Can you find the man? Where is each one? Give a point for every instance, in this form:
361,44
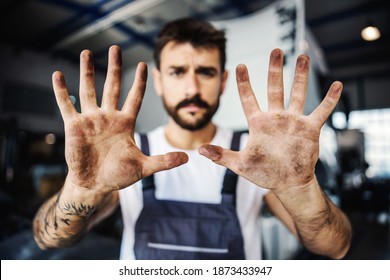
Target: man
199,209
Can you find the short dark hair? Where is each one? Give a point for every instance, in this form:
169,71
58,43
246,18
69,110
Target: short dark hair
197,32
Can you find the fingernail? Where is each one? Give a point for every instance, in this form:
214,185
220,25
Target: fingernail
144,72
303,62
337,85
241,72
276,53
62,79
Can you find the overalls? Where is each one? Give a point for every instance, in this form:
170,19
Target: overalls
169,229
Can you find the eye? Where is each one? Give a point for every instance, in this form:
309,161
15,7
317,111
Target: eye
176,72
208,72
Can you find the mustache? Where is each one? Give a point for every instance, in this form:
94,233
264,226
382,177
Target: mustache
196,100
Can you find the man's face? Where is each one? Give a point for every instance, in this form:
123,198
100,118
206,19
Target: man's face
190,83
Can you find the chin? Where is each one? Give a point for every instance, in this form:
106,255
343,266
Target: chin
193,126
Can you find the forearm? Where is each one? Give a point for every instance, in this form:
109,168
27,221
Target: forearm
64,219
322,227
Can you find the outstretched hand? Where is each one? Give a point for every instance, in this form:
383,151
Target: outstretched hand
100,150
283,144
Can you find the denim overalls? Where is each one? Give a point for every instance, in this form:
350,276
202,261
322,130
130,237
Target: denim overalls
169,229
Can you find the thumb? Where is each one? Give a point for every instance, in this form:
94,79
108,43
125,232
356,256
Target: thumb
219,155
158,163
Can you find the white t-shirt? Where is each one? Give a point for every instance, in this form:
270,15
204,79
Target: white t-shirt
199,180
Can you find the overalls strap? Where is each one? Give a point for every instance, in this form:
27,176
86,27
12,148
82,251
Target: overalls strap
147,182
231,178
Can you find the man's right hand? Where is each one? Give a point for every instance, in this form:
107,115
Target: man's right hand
100,151
99,148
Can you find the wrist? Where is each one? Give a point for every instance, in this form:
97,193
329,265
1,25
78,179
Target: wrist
305,200
296,189
90,195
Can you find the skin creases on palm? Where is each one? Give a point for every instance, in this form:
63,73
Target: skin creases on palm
101,153
281,148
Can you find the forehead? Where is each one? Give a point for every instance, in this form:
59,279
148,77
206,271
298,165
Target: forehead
184,54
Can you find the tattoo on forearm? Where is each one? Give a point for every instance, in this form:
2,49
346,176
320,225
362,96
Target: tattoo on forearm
66,221
66,228
70,208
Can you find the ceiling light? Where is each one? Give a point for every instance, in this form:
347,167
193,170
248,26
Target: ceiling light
370,33
50,139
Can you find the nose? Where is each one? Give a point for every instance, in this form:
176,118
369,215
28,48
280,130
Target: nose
192,84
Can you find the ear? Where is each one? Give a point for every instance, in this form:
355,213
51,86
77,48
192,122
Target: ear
157,81
224,81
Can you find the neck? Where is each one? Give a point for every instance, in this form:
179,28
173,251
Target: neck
185,139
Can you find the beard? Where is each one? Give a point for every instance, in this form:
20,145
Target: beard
196,124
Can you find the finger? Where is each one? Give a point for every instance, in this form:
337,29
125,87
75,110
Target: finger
164,162
112,86
217,154
275,81
87,82
134,98
64,102
247,97
298,92
323,111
